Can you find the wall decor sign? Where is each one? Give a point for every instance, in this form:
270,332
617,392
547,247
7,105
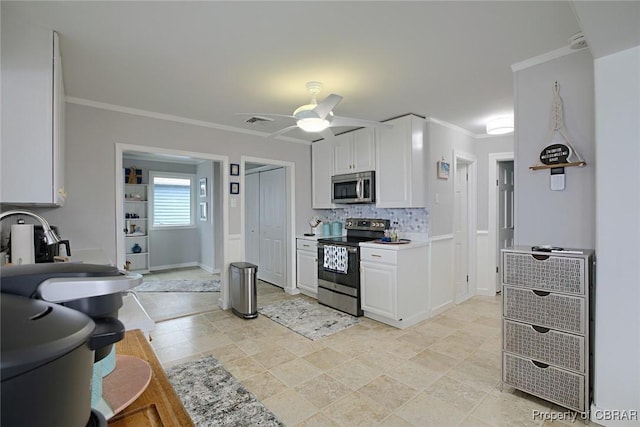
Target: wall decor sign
203,187
443,169
555,154
234,169
203,211
234,188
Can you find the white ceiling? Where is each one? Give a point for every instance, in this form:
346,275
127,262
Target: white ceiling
208,60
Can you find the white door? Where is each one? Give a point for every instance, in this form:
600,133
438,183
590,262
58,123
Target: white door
505,212
252,219
461,233
272,264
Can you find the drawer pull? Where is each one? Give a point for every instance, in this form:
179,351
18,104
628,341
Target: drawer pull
541,293
540,257
376,256
540,364
540,329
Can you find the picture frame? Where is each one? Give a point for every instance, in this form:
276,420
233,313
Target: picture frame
203,187
234,188
443,169
203,211
234,169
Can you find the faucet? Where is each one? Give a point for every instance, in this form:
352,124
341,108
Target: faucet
50,236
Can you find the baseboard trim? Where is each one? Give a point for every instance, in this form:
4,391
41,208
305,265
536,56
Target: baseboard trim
441,308
173,266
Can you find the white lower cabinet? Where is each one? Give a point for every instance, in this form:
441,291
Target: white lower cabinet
307,267
394,284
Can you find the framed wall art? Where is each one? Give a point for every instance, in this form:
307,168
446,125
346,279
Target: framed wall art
443,169
234,188
203,187
203,211
234,169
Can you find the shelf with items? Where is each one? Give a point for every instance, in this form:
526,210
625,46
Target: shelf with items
136,227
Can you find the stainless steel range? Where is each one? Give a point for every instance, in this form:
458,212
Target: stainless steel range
339,264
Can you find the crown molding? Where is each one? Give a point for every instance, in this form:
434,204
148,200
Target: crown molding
172,118
545,57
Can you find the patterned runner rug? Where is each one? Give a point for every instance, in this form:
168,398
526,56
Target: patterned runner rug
179,286
312,321
213,397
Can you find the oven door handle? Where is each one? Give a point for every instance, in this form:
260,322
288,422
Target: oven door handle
349,248
359,189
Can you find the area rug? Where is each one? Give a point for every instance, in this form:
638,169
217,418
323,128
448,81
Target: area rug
179,286
312,321
213,397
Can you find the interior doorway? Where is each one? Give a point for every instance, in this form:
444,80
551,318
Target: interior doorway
464,225
501,214
210,209
268,219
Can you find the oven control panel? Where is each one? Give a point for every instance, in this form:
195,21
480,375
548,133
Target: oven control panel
366,224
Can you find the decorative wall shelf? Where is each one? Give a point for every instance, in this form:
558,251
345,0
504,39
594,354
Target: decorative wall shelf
559,165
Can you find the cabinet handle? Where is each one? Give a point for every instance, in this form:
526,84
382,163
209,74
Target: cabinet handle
540,329
540,364
376,256
541,293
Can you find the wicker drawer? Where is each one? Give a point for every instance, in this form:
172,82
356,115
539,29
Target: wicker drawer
545,345
549,310
550,273
557,385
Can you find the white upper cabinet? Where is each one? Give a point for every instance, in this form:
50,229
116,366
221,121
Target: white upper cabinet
32,152
354,152
400,164
321,171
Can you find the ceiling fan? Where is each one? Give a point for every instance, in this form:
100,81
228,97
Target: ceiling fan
318,117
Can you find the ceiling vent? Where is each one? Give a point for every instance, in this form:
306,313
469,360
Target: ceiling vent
256,120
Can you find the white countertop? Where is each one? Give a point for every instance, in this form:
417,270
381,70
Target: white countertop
393,246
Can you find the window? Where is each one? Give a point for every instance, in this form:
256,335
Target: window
172,199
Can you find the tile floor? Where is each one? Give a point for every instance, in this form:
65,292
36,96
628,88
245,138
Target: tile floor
442,372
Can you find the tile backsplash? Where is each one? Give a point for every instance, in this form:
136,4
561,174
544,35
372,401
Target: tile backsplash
415,220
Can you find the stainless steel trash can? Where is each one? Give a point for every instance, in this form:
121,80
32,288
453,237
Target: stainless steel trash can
244,295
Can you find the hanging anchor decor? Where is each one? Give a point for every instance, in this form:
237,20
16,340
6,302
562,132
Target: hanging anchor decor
557,156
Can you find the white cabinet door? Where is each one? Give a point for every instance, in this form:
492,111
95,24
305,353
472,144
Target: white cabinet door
401,164
364,153
354,152
379,289
32,115
321,169
307,271
272,227
342,154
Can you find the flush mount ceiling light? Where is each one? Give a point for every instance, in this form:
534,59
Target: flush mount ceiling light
500,125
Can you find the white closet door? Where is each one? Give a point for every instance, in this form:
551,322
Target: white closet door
252,219
272,227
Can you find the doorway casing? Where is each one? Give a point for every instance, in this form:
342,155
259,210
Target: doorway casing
121,148
471,204
290,173
492,259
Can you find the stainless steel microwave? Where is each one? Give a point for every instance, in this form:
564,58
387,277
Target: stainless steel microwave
354,188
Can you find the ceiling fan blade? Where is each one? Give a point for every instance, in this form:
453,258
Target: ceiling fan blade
326,105
265,114
281,131
347,121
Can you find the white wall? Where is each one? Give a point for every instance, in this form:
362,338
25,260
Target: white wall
617,337
562,218
88,217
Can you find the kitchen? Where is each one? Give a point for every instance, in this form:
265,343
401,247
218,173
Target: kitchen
90,176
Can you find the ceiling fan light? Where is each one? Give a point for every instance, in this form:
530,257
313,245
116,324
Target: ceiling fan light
313,124
500,125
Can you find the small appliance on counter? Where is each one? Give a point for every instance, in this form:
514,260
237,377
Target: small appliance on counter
46,365
91,290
